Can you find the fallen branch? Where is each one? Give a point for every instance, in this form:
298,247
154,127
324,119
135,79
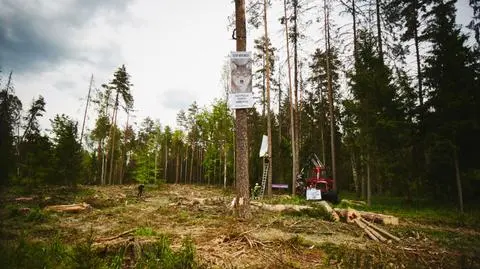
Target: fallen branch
116,236
380,230
73,208
24,199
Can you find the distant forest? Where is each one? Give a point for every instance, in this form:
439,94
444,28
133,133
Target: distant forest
405,100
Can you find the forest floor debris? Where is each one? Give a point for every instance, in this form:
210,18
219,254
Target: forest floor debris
270,239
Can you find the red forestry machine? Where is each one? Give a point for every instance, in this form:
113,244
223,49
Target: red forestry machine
317,180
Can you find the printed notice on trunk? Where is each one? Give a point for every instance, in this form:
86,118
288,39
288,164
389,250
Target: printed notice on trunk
241,95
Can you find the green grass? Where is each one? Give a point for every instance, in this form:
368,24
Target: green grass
285,199
25,252
145,231
161,255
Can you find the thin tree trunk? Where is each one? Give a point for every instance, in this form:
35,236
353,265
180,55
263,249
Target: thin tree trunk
155,165
322,128
191,165
166,160
417,54
112,153
99,160
181,169
369,190
269,120
241,126
86,109
354,14
295,79
104,170
224,166
265,47
355,174
362,185
124,150
292,119
330,97
279,121
379,31
458,179
186,164
177,166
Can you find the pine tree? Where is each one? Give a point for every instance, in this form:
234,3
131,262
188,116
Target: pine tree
450,81
10,108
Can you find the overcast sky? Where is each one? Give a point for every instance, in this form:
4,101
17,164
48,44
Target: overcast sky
174,51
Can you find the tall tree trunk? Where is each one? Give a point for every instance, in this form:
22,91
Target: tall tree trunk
124,150
295,79
322,128
458,179
177,166
265,47
224,166
417,54
330,97
379,31
355,173
369,190
86,109
104,167
112,152
155,165
181,168
362,180
166,160
354,15
269,120
186,164
190,178
241,126
279,120
292,119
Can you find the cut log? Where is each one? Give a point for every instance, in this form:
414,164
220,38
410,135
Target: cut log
372,217
330,210
348,214
367,231
379,218
380,230
280,208
368,228
298,208
73,208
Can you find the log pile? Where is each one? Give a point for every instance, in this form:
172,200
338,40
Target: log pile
351,214
365,220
